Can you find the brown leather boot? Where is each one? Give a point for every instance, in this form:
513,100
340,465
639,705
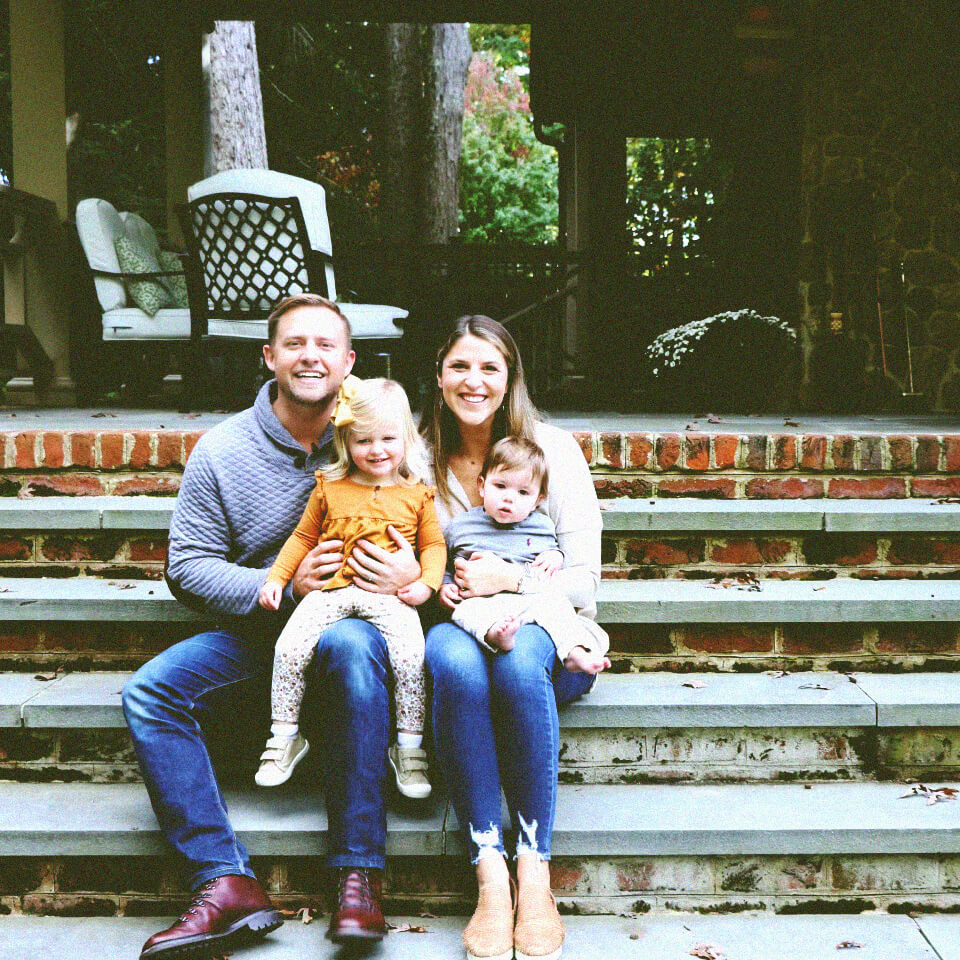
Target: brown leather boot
231,909
358,915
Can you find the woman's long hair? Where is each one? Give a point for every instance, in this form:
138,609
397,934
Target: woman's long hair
375,402
515,418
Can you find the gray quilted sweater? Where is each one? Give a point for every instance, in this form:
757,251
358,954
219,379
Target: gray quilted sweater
244,488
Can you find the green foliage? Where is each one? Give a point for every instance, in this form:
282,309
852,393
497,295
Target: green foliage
508,179
508,43
674,188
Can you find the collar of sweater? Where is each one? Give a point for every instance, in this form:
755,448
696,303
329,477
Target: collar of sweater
275,430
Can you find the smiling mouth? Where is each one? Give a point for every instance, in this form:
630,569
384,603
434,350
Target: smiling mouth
309,375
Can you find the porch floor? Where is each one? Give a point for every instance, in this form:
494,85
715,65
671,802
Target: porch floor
105,418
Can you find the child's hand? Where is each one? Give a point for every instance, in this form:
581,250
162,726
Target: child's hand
449,595
413,594
582,660
270,595
548,562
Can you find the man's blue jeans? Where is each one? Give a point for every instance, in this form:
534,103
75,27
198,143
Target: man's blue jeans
495,722
170,699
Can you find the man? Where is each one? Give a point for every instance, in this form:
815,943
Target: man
244,488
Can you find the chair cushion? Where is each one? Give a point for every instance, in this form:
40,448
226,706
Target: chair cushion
133,257
373,321
131,323
98,223
176,285
135,227
270,183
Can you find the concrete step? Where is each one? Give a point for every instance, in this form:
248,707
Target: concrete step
633,728
741,937
622,514
745,819
844,848
619,601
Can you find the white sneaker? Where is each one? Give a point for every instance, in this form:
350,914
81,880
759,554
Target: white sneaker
279,758
410,768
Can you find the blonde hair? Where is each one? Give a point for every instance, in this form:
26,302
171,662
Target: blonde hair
518,453
376,402
515,418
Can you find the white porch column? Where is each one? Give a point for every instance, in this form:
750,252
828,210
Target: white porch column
35,282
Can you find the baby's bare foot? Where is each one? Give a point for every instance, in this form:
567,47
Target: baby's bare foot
501,634
581,660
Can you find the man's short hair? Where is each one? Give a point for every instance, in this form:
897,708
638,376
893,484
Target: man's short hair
304,300
517,453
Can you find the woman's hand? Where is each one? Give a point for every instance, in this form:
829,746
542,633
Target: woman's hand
321,563
484,575
449,596
384,571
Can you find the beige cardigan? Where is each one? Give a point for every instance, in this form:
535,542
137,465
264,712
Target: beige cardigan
571,504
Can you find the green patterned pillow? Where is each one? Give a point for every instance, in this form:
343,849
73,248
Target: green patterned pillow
176,285
149,295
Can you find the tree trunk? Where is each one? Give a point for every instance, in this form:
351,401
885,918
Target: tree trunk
402,132
235,133
446,58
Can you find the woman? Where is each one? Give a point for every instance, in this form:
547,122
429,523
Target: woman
495,715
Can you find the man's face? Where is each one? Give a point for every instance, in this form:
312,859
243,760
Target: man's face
309,356
509,495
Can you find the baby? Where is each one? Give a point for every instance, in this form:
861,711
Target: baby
513,482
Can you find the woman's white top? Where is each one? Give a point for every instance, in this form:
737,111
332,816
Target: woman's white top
571,504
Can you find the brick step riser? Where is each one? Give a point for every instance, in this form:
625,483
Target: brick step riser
834,883
65,553
635,484
844,647
587,755
38,463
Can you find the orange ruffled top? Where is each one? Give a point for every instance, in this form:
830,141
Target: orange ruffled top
350,511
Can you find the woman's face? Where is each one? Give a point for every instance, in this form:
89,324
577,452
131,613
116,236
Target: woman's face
473,379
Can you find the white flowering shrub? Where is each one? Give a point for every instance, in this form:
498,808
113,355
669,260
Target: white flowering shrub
735,360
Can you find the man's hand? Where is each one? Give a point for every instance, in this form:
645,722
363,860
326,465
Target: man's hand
384,571
413,594
321,563
484,575
548,563
270,594
449,595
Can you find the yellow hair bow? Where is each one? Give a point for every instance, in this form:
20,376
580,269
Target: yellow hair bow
342,413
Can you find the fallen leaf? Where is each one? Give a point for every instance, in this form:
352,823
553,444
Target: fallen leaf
192,416
628,915
427,916
933,794
849,945
696,684
777,673
707,951
406,928
814,686
49,676
947,500
119,585
713,418
102,413
818,589
787,422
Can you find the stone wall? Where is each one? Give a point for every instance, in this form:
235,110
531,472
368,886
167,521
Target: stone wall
881,186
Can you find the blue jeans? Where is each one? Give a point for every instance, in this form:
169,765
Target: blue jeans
495,721
170,699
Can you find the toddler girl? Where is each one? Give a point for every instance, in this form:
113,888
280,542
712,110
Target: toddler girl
374,483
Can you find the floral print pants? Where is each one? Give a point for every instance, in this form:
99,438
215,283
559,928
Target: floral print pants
397,622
